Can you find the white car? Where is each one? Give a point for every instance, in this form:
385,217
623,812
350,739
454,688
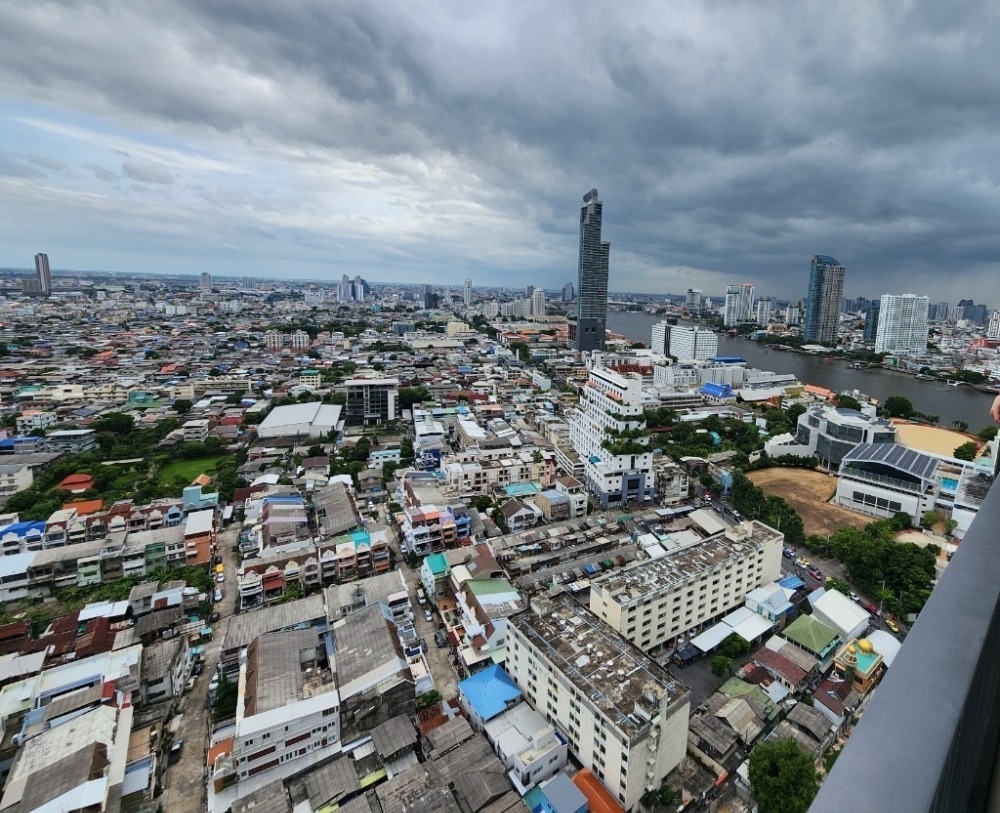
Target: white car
428,616
220,577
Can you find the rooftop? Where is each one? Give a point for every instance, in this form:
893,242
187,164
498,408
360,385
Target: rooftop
644,577
616,676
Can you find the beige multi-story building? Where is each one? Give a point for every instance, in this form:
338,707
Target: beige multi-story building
653,603
623,715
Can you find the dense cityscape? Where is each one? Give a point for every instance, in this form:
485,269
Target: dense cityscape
387,547
499,408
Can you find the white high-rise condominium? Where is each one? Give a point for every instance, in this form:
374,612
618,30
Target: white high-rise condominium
467,296
993,331
765,309
538,302
660,338
693,343
693,300
902,324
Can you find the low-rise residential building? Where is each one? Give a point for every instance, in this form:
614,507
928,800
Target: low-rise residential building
15,477
671,480
166,666
71,441
623,716
32,419
429,522
528,745
371,401
287,713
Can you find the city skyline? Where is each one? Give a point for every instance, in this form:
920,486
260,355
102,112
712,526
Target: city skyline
451,141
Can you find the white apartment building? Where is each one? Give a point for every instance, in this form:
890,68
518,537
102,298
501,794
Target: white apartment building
656,604
693,343
739,304
528,745
299,340
902,324
608,432
196,429
15,477
993,331
659,338
273,340
288,709
28,422
623,716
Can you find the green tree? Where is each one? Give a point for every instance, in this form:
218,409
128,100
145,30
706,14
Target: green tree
988,433
967,451
930,519
182,406
117,423
848,402
782,777
721,665
896,406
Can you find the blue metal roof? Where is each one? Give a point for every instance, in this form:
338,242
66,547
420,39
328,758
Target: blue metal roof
792,582
728,359
489,692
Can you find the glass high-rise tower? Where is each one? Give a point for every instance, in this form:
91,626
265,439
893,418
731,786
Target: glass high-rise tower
592,286
43,274
823,302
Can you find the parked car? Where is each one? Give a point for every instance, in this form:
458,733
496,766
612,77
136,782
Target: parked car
199,667
217,596
190,683
873,609
428,616
220,577
788,553
855,598
815,572
213,618
892,625
423,646
175,750
440,638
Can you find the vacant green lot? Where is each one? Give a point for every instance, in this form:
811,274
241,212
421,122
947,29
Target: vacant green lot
188,469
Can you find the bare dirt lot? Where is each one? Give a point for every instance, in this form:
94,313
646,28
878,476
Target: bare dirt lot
807,492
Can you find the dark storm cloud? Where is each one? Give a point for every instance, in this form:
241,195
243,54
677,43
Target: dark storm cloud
729,138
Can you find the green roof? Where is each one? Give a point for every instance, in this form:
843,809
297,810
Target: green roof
437,563
812,635
490,587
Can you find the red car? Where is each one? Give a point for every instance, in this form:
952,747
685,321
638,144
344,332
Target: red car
872,609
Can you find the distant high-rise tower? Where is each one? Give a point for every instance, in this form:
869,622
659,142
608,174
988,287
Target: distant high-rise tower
467,296
44,274
529,291
205,282
826,289
871,320
902,324
246,283
592,284
568,292
693,300
739,304
538,302
765,308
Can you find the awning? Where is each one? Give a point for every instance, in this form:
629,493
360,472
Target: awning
752,628
711,638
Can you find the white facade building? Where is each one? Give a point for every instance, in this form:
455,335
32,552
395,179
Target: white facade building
882,479
654,604
608,432
659,338
902,324
623,716
993,331
693,343
739,305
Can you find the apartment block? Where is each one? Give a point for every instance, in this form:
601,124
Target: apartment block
623,716
655,604
608,432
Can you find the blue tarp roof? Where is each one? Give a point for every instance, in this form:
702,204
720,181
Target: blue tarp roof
489,692
792,582
716,390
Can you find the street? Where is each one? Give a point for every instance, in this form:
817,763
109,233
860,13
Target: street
185,781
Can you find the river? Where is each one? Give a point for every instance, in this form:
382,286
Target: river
930,397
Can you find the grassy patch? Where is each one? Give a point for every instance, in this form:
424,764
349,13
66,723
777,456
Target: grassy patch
187,469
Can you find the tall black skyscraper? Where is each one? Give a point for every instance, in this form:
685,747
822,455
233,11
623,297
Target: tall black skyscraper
44,274
592,287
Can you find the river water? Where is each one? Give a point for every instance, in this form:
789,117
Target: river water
930,397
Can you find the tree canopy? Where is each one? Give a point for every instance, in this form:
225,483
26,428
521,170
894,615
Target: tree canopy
896,406
782,777
967,451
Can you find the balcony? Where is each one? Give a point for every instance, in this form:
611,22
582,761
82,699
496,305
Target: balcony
928,740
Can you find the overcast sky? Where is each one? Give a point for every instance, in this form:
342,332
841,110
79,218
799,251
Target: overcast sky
428,142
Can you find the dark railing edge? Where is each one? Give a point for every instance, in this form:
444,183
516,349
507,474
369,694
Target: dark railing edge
928,740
